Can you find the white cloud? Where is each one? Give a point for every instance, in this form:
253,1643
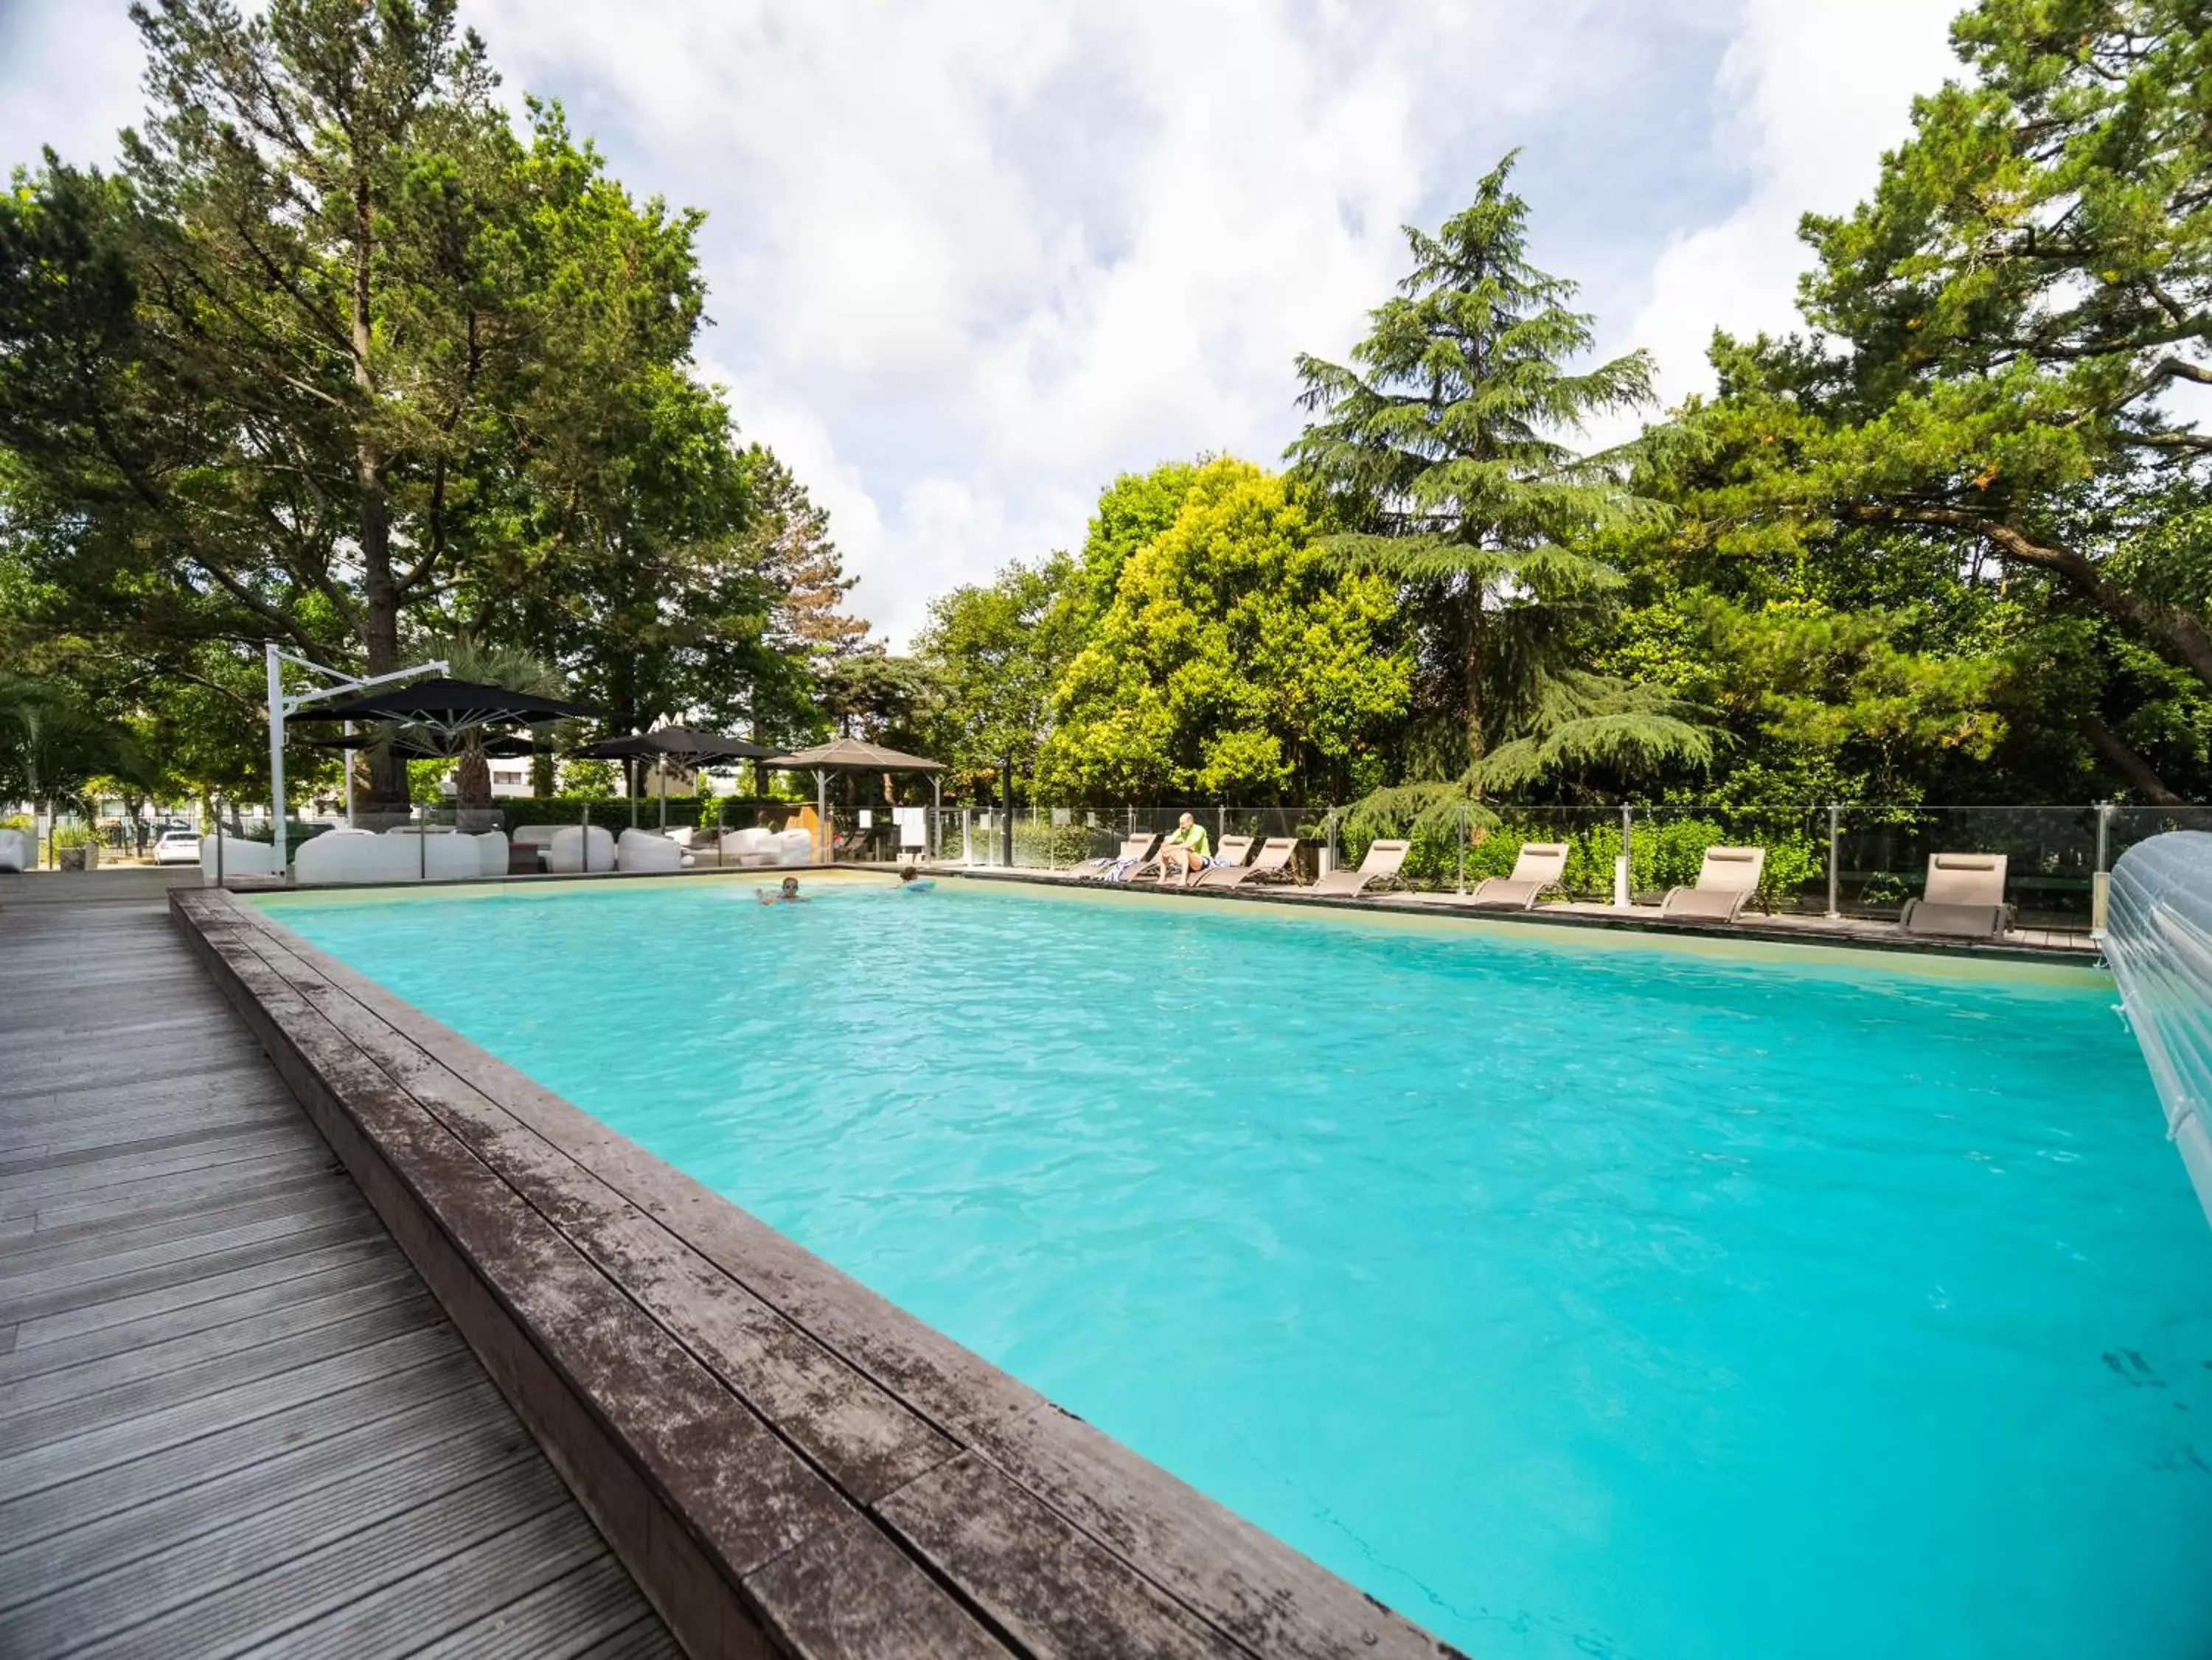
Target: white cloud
1002,254
970,260
1814,94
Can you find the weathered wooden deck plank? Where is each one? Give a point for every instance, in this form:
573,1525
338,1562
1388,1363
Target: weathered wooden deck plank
119,1353
120,1312
407,1397
230,1413
574,1615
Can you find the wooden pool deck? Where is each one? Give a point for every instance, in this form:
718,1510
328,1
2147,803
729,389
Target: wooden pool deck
232,1419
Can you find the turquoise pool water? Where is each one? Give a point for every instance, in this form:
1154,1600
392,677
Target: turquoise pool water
1575,1294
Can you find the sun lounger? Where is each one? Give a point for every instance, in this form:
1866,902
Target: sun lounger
1272,864
1536,871
1728,877
1136,852
1234,849
1232,854
1964,899
1380,865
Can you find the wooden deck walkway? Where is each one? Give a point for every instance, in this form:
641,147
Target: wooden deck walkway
231,1419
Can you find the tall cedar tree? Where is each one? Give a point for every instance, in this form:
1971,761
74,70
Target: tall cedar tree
1441,444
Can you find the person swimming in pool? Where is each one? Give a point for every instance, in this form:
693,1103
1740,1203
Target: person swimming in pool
911,881
787,894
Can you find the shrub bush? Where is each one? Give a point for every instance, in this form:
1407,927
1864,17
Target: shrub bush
1664,853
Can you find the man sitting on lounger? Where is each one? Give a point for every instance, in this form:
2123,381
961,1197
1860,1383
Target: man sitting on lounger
1183,851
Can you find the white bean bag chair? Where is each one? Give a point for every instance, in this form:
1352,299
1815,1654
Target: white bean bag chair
16,849
643,850
343,856
236,857
570,852
437,855
491,853
754,846
794,847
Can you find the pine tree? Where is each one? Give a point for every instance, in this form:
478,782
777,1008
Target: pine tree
801,565
1443,444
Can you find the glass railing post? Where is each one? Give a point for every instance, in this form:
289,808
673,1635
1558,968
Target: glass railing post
2100,882
1835,833
1624,883
1460,886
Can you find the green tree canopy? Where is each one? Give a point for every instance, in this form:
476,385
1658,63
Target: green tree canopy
998,651
1999,336
1235,659
338,353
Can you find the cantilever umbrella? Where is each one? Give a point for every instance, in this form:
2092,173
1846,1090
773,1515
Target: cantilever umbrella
686,746
850,755
443,713
410,746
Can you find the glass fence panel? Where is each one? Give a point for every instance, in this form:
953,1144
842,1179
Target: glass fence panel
1849,861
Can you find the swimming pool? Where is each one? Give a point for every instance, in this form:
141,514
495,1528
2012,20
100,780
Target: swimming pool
1574,1293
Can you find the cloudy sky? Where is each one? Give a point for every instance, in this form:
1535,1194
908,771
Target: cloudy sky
969,261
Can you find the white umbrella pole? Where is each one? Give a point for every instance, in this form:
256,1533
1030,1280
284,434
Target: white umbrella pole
828,852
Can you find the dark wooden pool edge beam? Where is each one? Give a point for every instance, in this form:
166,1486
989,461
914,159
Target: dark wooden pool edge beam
787,1463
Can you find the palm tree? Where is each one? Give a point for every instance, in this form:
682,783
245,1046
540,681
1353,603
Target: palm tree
490,663
1441,446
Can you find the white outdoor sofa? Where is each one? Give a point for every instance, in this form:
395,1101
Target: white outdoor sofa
402,855
17,850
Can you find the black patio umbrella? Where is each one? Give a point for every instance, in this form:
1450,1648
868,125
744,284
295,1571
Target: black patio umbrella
685,746
449,709
850,755
410,745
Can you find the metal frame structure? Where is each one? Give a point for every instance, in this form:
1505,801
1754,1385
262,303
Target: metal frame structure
283,708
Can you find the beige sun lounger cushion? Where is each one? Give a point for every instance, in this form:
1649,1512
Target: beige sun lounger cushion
1380,865
1728,877
1536,871
1272,864
1964,898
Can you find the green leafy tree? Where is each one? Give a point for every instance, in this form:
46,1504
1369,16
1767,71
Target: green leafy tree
998,651
1135,509
1235,659
1999,335
337,348
1443,441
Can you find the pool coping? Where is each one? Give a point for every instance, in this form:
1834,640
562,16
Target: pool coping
786,1463
1400,904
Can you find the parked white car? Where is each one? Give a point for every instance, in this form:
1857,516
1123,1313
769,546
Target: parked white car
177,847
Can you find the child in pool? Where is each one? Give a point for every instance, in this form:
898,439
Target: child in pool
787,894
912,882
